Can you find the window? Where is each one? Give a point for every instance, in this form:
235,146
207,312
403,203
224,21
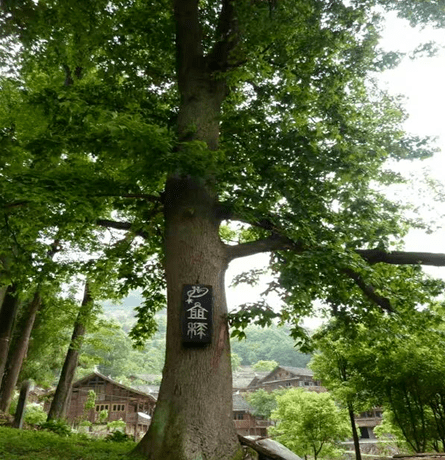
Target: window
238,416
118,407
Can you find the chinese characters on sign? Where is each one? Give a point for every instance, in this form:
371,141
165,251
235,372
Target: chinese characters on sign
196,314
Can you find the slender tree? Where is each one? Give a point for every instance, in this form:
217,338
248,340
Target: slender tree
19,348
17,354
59,404
7,317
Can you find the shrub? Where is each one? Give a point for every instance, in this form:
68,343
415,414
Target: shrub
59,427
118,436
103,415
117,425
34,414
85,423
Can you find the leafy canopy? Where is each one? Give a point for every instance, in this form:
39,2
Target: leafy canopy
88,123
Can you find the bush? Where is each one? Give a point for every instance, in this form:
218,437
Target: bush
118,436
103,415
117,425
35,415
59,427
85,423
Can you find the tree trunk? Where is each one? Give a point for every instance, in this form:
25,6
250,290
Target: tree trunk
193,417
60,401
17,354
358,454
7,317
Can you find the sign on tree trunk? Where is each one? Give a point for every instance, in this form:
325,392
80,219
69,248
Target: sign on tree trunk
196,314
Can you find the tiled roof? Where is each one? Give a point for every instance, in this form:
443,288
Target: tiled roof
240,403
299,370
243,377
108,379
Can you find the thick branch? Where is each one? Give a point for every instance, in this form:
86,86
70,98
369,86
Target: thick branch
138,196
188,39
121,226
273,243
374,256
369,291
226,38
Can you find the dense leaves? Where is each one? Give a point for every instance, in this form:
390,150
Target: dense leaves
310,423
391,363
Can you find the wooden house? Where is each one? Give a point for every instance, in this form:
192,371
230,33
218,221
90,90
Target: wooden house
246,423
283,377
121,402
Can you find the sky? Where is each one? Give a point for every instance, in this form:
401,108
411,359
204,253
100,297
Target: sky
420,80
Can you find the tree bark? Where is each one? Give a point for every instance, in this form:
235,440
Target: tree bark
193,417
7,317
59,404
18,354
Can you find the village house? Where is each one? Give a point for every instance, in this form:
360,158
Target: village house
121,402
135,406
246,423
283,377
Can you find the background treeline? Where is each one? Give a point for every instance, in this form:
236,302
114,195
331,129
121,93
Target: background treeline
109,349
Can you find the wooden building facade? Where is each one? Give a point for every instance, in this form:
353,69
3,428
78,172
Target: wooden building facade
246,423
283,377
124,403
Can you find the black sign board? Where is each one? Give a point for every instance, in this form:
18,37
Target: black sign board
197,304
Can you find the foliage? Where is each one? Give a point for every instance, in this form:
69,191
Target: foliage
103,415
310,423
39,445
263,402
103,142
286,132
110,349
59,427
389,432
118,436
34,414
91,400
273,343
235,361
265,365
116,425
85,423
395,362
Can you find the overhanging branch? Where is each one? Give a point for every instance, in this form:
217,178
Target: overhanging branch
369,291
374,256
272,243
121,226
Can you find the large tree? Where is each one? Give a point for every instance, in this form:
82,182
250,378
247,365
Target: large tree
165,119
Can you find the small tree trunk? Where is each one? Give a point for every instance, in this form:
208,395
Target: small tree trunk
18,354
21,406
60,401
355,437
7,317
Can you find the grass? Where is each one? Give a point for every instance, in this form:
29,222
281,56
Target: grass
40,445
